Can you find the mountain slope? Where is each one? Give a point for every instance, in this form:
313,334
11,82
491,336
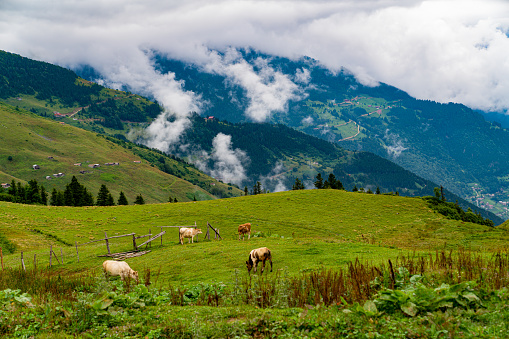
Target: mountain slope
449,144
28,140
287,154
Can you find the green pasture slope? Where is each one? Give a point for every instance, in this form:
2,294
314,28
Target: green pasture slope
305,230
27,140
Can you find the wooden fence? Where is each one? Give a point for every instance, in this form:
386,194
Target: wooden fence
136,251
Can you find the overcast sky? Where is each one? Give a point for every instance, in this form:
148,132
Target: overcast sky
443,50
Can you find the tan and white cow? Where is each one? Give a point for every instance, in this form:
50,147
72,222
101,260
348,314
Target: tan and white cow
185,232
119,268
255,256
243,229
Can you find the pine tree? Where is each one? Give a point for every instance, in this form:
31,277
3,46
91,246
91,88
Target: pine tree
12,190
53,199
44,196
194,197
319,181
32,192
436,190
377,190
57,198
88,198
76,194
298,185
20,193
355,189
257,188
139,200
246,191
170,199
68,196
102,196
122,200
442,193
109,200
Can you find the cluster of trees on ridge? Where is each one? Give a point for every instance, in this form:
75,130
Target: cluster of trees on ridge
75,194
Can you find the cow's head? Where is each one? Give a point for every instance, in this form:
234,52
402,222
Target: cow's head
249,264
198,231
134,275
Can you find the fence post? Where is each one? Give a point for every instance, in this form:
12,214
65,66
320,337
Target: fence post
161,236
77,254
23,262
134,242
149,236
179,235
207,234
62,255
2,257
50,251
35,261
107,242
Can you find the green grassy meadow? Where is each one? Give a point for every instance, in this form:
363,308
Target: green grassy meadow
322,242
305,230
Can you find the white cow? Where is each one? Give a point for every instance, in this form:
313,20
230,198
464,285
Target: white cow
119,268
185,232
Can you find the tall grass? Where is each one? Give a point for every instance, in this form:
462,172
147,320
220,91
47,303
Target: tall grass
43,284
355,283
361,281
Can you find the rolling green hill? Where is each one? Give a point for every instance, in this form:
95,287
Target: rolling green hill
304,229
28,140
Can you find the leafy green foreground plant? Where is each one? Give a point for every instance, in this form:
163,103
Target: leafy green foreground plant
417,298
360,301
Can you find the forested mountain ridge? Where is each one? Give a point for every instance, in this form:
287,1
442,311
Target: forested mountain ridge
449,144
298,155
58,93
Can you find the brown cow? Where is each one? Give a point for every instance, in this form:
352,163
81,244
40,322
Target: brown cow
260,254
185,232
243,229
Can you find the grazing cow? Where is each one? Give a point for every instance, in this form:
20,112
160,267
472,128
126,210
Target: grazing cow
119,268
185,232
260,254
243,229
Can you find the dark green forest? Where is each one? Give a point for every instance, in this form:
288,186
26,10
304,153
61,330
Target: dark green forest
19,75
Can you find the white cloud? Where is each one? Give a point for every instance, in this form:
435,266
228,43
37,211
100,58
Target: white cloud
394,144
268,90
228,164
308,120
444,50
275,180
